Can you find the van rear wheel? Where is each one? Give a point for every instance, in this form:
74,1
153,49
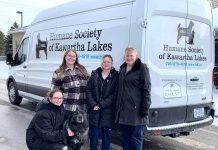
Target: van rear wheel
14,98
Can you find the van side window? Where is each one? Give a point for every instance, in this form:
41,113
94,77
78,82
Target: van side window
22,52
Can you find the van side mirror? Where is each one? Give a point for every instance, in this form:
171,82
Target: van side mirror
9,59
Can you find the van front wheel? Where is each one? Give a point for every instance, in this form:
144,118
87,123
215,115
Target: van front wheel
14,98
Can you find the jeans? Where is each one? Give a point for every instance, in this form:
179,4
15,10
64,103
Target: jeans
132,137
105,135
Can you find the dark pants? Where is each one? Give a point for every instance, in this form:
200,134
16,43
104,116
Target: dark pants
132,137
105,135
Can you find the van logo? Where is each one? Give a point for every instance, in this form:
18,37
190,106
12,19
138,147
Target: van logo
172,90
41,46
188,32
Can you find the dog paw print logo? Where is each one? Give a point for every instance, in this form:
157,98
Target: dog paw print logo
41,46
187,32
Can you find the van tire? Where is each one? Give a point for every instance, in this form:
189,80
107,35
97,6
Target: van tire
14,98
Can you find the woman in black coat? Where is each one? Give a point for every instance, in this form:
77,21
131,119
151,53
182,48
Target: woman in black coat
101,97
133,100
45,131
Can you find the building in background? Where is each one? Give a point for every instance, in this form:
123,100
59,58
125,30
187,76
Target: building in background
215,3
17,35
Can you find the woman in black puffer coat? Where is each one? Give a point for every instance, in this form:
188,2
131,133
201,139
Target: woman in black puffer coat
101,100
45,131
133,100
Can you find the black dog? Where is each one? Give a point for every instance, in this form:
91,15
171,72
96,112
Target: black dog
77,123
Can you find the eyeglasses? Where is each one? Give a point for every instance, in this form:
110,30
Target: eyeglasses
57,98
70,56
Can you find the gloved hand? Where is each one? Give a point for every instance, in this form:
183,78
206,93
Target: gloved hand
144,112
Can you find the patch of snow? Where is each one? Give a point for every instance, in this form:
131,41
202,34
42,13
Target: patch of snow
215,99
215,121
4,68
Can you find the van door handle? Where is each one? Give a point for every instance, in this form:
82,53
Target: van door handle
24,67
194,79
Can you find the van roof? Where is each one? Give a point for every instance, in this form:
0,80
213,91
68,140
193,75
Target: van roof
76,7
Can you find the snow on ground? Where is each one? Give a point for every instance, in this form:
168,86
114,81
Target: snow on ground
3,70
215,98
215,122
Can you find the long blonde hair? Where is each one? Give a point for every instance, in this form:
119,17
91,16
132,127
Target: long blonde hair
63,65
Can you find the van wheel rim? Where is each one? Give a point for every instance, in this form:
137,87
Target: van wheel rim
12,93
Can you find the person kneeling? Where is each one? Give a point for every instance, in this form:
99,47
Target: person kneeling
45,131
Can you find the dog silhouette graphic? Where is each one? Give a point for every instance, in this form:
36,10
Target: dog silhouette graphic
187,32
41,45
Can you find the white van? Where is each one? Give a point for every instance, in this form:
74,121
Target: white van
173,37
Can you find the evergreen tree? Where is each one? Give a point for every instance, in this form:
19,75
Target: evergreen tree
1,43
8,39
8,44
15,25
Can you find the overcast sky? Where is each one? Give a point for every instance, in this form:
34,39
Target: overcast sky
30,9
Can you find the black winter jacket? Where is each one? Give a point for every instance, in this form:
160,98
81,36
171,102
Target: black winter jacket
46,126
102,93
133,99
